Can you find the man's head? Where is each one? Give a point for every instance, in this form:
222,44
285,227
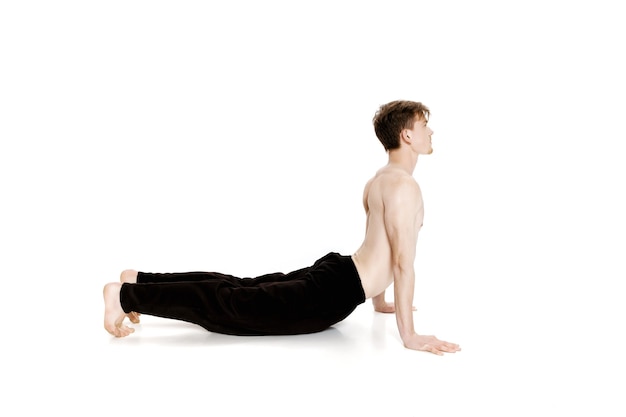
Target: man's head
403,121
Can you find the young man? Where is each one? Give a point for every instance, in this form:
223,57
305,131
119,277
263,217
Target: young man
313,298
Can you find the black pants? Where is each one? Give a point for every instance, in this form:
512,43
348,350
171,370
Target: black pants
304,301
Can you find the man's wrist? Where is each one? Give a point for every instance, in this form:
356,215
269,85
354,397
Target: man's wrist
407,335
378,303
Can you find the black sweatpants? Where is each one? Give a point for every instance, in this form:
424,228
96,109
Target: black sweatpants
304,301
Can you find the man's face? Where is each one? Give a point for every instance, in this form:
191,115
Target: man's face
421,140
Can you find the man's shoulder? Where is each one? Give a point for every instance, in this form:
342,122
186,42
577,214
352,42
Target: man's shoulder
394,179
394,184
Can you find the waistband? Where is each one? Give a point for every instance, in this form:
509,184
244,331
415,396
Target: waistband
339,271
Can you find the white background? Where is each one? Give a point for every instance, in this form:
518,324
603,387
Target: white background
237,137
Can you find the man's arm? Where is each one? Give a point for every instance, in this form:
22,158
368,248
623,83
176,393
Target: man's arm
403,209
404,213
382,306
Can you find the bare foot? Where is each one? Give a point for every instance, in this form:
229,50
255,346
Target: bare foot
113,313
130,276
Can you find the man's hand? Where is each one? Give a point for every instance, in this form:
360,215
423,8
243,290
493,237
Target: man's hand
430,344
386,307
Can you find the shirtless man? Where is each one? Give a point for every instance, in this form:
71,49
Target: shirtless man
319,296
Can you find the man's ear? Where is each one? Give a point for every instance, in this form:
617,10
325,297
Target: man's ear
405,136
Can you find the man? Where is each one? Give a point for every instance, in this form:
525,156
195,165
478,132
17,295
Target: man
313,298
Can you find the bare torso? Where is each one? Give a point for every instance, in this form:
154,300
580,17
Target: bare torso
373,259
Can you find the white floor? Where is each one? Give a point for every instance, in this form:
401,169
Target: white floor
541,360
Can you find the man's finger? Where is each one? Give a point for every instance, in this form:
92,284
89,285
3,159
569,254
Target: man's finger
437,352
454,346
432,349
446,348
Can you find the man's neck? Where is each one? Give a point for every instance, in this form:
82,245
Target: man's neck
403,160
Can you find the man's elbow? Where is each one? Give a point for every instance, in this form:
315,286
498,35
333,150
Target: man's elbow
402,266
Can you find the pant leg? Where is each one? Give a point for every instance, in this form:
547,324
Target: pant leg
149,277
202,302
304,301
218,302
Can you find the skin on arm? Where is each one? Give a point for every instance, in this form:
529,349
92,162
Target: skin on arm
378,301
403,211
403,216
383,306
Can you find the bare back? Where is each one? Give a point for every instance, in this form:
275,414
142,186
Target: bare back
374,259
